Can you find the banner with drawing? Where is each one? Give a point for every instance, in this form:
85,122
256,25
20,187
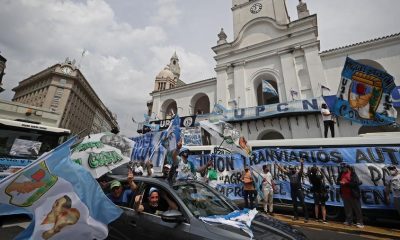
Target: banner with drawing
369,163
364,95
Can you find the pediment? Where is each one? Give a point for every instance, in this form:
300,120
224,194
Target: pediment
257,31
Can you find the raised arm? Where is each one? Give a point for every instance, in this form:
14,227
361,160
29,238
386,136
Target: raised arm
131,183
281,168
301,165
176,152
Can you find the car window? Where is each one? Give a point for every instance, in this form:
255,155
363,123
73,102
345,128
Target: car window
201,200
166,201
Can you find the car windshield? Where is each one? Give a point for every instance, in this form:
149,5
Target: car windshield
201,200
26,143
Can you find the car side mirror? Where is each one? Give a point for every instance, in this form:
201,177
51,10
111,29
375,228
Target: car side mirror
172,216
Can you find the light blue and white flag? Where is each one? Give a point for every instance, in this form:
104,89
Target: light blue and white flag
364,95
173,134
63,199
154,146
268,88
240,219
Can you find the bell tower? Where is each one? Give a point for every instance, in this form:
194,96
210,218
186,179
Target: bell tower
245,11
174,66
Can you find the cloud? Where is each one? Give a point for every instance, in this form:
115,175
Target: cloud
167,12
122,60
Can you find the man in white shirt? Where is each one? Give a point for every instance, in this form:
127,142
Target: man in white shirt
328,121
268,190
394,187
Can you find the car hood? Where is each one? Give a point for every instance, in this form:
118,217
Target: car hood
262,226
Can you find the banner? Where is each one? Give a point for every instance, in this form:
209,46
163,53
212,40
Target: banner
364,95
63,199
369,163
192,137
297,106
154,146
9,166
396,96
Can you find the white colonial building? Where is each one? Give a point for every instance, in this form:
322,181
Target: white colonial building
268,46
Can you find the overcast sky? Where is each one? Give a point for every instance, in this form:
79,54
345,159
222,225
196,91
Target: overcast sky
130,41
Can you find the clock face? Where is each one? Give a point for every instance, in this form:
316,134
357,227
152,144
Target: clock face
66,70
256,8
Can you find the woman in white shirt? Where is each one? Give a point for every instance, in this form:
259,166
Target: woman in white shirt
328,121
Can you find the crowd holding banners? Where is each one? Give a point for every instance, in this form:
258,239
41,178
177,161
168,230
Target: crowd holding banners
372,173
57,193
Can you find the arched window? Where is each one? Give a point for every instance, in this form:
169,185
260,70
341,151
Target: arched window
200,104
266,98
269,135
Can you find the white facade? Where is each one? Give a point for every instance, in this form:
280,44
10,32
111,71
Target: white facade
267,46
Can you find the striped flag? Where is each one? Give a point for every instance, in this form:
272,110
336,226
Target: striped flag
268,88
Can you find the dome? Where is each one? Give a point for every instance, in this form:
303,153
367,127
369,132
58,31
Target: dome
165,73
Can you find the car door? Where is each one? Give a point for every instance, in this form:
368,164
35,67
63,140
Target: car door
156,228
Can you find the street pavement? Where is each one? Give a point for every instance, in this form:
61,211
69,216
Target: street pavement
313,230
337,230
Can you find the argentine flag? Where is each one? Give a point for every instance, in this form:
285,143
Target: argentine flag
268,88
62,198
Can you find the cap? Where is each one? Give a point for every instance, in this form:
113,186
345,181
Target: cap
343,164
392,167
167,166
114,184
152,189
182,150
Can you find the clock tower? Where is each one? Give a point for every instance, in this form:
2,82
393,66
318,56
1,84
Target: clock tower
244,11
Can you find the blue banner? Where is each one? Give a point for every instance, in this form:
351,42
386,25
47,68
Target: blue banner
364,95
369,163
396,96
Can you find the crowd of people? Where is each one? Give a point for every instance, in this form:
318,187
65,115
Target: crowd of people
180,168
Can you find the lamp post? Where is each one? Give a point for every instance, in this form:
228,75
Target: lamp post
2,67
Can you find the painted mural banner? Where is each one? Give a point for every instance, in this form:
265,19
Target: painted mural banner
364,95
370,164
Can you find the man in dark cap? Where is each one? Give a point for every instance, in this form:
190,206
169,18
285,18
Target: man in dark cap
296,189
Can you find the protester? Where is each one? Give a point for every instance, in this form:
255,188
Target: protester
118,194
148,169
249,191
138,169
165,170
394,187
319,192
328,120
268,190
182,169
154,205
211,175
296,190
350,193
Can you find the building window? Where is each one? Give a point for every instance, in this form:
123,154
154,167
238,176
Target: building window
266,98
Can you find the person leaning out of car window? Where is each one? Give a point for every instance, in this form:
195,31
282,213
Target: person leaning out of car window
118,194
154,205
